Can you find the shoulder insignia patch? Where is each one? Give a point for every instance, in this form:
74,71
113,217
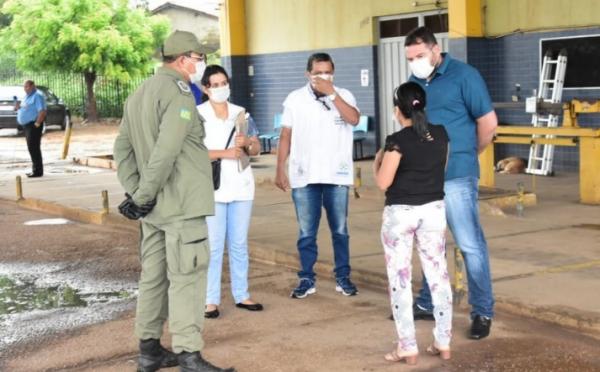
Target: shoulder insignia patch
185,114
183,86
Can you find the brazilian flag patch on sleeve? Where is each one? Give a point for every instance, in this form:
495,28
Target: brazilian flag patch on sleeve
185,114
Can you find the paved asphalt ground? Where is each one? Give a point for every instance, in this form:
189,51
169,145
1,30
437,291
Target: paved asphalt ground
325,332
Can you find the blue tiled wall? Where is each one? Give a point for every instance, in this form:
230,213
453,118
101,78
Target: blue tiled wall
503,62
276,75
512,59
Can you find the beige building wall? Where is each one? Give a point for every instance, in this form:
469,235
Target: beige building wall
274,26
506,16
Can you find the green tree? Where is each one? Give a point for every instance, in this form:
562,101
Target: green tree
92,37
211,43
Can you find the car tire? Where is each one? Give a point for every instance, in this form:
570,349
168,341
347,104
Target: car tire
66,122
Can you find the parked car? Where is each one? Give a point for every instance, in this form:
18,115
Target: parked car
57,113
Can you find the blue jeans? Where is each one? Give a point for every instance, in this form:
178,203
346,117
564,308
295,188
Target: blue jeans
230,223
308,201
462,213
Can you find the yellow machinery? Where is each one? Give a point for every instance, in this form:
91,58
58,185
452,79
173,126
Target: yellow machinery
571,109
570,134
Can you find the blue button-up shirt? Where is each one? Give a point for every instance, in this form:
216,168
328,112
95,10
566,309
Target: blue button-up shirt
31,106
456,97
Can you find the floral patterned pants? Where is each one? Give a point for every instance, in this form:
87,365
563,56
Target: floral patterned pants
425,226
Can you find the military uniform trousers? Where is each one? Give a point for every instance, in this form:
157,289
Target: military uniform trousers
174,259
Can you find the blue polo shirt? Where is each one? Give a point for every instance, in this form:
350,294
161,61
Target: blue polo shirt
456,97
197,93
31,107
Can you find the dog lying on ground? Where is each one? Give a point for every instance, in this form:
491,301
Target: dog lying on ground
511,165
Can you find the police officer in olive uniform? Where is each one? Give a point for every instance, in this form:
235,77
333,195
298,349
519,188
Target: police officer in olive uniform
163,166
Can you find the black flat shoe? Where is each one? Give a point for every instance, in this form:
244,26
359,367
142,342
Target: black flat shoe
212,314
480,328
33,175
250,307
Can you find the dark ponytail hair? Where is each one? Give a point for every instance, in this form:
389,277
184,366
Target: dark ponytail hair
410,98
208,72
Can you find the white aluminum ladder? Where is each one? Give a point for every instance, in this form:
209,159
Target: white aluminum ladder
552,78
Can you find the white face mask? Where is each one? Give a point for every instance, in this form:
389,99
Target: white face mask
421,67
326,77
219,95
197,76
322,76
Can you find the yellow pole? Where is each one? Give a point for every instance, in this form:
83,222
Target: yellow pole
67,140
357,182
19,188
232,26
486,167
459,288
465,18
104,202
589,170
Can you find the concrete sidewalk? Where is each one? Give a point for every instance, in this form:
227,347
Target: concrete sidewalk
545,264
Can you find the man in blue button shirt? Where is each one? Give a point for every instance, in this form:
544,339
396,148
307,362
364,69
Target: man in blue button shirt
30,115
457,98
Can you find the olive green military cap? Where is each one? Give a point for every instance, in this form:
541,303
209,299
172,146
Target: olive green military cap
180,42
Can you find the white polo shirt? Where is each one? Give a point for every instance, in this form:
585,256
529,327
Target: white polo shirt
235,185
321,143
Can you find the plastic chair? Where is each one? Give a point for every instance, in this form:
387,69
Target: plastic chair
360,134
266,138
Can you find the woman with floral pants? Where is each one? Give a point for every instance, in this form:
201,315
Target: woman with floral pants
411,171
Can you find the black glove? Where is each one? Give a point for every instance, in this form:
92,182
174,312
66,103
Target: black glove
134,212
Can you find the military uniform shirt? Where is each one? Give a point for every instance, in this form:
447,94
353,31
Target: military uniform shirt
160,151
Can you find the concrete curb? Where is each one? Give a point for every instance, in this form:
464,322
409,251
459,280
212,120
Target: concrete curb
589,325
74,214
270,254
100,161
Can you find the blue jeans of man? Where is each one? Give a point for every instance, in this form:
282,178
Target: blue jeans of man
230,223
462,213
308,201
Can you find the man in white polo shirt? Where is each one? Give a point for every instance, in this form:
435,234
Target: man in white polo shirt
316,134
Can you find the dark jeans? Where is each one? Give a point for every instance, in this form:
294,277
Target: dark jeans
33,136
309,201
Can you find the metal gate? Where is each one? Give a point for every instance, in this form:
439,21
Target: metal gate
394,70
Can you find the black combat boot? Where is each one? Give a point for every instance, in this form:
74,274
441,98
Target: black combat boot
193,362
154,357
